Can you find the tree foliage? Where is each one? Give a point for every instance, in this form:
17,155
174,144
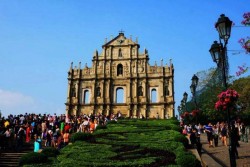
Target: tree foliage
208,95
242,86
209,88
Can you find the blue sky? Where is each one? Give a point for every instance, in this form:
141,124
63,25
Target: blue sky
40,38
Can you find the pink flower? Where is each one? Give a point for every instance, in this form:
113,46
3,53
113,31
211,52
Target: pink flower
246,20
242,70
226,99
241,40
246,15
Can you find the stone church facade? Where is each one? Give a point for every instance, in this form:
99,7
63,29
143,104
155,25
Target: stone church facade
121,80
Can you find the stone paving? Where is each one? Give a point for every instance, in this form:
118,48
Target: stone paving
220,154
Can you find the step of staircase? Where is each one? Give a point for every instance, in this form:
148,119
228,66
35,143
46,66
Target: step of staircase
10,157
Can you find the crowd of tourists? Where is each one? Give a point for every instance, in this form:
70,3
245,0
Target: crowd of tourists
217,132
46,130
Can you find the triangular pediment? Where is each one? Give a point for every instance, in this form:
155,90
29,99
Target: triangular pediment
119,41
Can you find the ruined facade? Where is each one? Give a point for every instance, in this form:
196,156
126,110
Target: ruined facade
121,79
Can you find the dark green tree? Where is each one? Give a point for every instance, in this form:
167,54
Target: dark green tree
208,89
242,86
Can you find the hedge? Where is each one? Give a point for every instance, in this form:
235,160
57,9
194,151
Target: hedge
129,142
32,158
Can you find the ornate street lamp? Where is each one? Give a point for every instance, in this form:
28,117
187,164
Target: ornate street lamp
179,109
180,112
182,108
193,90
183,105
185,95
193,87
223,26
184,100
195,80
219,55
215,52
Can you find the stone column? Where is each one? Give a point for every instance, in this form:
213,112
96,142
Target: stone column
128,113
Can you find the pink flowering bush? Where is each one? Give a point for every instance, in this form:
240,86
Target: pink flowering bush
245,44
195,112
185,114
246,20
226,99
242,70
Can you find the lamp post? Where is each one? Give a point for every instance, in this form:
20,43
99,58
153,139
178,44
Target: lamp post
179,111
184,102
185,95
182,107
218,52
193,87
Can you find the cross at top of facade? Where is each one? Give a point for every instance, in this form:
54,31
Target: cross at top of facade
121,31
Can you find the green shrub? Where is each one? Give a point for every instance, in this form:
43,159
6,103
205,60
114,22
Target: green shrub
115,137
174,121
33,158
50,151
168,127
186,159
83,152
112,122
101,127
183,139
82,137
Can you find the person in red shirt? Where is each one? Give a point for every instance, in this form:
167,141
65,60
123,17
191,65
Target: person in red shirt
66,138
28,133
67,127
92,126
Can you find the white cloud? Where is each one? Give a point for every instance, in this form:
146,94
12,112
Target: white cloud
15,103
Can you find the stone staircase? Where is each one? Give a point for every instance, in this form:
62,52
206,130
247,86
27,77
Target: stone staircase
10,157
